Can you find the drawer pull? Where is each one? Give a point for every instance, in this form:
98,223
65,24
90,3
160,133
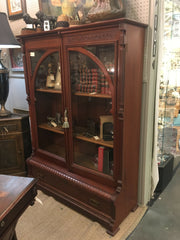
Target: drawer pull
94,202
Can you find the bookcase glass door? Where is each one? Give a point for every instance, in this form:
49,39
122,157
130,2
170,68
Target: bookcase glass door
92,76
48,95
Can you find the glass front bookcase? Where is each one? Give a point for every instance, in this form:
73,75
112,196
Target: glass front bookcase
92,77
46,69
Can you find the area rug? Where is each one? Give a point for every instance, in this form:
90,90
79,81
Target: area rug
49,219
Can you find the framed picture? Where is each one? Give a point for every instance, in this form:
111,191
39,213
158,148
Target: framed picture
54,7
50,7
16,8
16,60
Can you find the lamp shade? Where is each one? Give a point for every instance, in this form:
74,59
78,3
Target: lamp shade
7,39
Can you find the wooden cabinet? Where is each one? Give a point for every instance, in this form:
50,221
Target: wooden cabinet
84,91
15,144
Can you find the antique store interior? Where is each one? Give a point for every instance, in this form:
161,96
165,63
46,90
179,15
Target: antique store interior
94,101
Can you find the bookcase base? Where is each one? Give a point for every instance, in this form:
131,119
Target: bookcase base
95,203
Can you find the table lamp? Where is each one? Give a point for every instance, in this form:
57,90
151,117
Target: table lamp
7,40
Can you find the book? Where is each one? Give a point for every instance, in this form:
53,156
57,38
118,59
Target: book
89,81
100,158
107,160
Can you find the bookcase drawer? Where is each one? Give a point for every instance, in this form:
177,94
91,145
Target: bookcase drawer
9,127
79,192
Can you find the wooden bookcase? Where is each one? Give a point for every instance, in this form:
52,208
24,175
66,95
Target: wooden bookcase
101,67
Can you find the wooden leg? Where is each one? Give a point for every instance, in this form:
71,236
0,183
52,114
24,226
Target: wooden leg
14,236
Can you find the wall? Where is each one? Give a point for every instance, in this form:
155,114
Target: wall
17,92
139,10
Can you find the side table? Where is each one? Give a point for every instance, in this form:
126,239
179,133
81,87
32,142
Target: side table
16,194
15,144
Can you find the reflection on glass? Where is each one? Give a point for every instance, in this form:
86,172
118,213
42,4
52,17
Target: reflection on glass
34,57
47,72
58,77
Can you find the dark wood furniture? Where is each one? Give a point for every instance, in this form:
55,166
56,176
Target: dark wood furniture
16,194
86,130
165,169
15,144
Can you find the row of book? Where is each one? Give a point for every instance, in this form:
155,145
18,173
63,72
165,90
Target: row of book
105,160
92,80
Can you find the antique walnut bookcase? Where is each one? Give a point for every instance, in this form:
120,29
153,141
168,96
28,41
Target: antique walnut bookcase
84,92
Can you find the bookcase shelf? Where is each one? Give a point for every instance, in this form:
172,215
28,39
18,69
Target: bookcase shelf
96,95
85,161
92,140
46,126
48,90
54,149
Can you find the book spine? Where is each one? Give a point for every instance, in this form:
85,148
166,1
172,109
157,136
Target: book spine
100,158
106,161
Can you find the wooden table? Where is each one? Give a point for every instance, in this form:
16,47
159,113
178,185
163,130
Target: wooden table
16,194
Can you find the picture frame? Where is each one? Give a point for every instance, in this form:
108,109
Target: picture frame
16,8
16,59
54,7
50,7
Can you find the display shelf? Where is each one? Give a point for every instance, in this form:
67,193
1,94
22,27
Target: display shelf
54,149
96,95
48,90
85,160
46,126
92,140
89,161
